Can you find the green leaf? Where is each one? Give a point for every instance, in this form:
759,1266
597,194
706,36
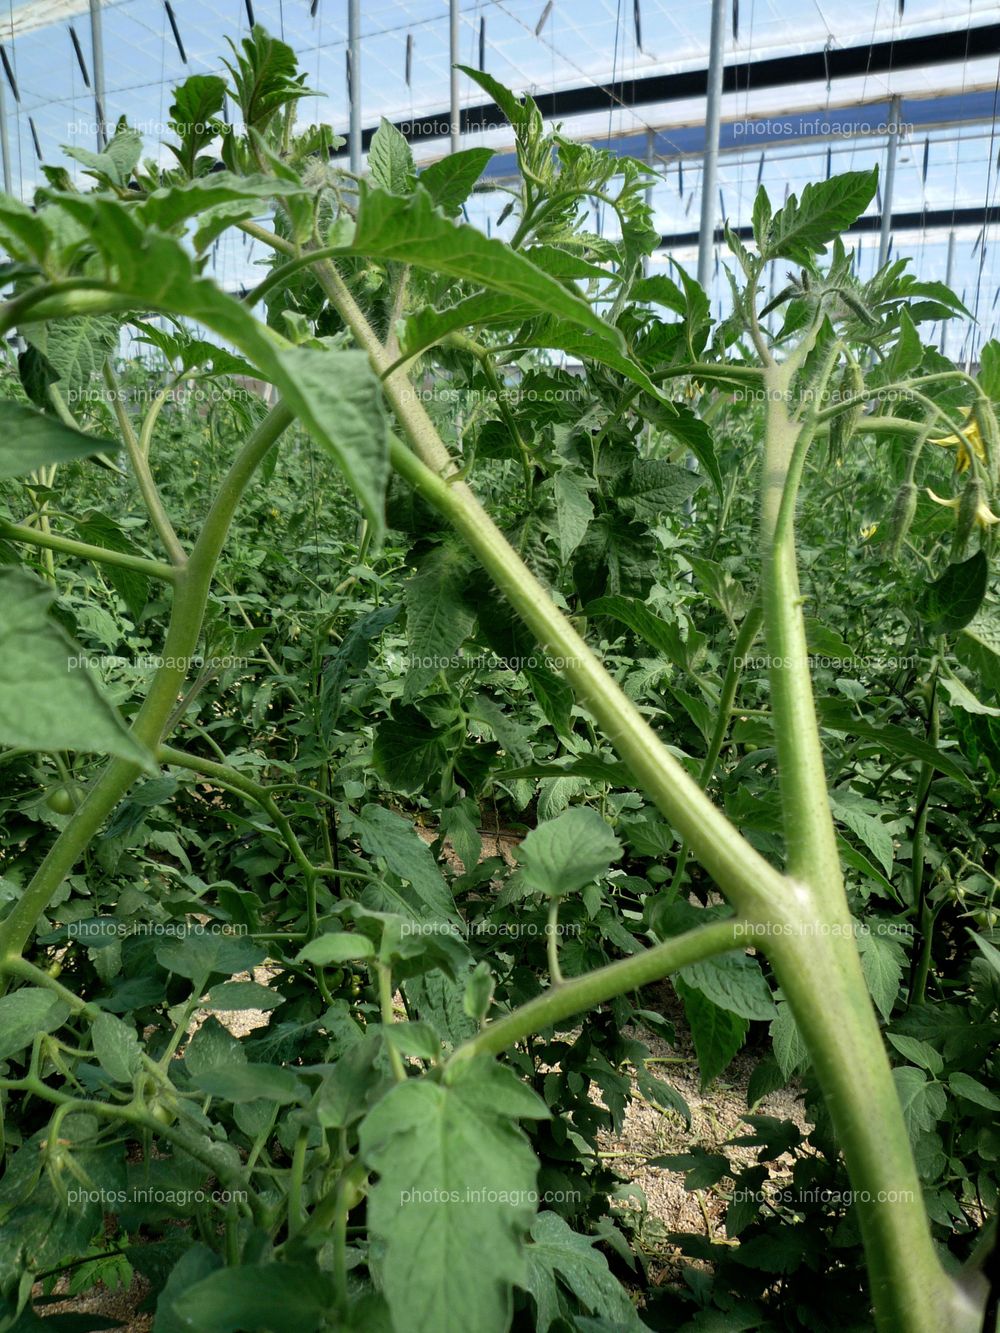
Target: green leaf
989,369
117,161
561,1260
197,954
964,1085
790,1049
882,964
734,981
339,946
29,440
116,1047
918,1052
424,327
960,696
589,766
952,601
197,103
438,617
701,1169
49,700
657,489
665,638
838,715
173,204
409,752
717,1033
132,586
805,227
454,1198
384,833
24,1014
450,180
562,856
923,1102
247,1083
339,400
390,160
978,647
989,951
242,995
478,994
574,511
265,76
77,349
853,811
290,1297
414,231
761,219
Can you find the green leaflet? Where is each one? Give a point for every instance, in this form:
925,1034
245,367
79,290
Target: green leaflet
438,617
24,1014
29,440
292,1297
116,1047
665,638
734,982
562,856
415,231
952,601
49,699
717,1033
454,1198
338,399
76,348
449,181
409,752
388,835
390,160
805,226
559,1258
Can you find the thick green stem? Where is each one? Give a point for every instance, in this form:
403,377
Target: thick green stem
604,983
820,974
144,477
192,587
814,953
810,839
156,569
753,885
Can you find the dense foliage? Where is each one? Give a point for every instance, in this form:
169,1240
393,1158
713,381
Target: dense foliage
317,705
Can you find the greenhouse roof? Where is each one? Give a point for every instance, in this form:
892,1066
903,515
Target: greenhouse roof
808,93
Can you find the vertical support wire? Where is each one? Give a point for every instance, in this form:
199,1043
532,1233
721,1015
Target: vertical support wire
892,146
354,82
713,119
454,55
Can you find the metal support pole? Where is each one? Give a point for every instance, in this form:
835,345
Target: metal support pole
948,270
5,143
650,161
885,234
354,64
97,62
454,56
713,118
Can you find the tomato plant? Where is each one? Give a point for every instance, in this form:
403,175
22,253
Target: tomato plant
458,576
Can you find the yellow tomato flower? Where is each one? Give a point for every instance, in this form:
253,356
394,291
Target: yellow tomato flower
983,516
972,434
868,532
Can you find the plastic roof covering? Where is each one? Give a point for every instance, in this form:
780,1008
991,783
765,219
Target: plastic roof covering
785,136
